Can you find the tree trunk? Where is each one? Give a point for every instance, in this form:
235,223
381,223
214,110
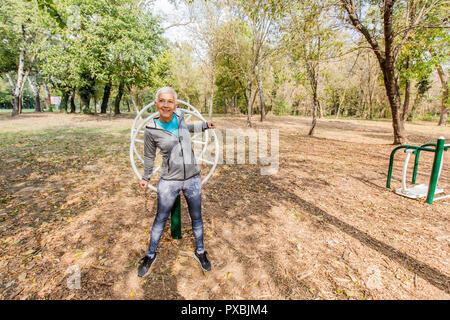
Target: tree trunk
21,92
320,111
312,75
35,89
249,103
95,102
118,98
370,88
407,93
314,116
85,97
47,99
444,103
20,103
386,61
393,94
106,95
406,101
64,100
390,79
18,86
261,96
16,104
72,102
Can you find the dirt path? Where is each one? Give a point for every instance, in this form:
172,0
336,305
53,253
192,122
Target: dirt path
322,227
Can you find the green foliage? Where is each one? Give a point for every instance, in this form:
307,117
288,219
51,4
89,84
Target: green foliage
230,81
281,107
424,51
83,44
103,41
310,39
48,5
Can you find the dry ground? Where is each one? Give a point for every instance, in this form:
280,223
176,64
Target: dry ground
323,227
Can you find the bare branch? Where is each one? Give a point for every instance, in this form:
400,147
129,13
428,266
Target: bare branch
181,24
349,6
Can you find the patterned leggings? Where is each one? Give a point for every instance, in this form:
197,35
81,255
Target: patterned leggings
168,191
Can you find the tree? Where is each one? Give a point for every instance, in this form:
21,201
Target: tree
134,43
230,82
14,26
104,43
310,40
206,20
399,20
23,31
256,22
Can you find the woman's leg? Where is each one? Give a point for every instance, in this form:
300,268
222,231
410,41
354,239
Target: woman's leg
192,190
167,193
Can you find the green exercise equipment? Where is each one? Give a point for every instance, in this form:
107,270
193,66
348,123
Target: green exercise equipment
422,190
175,219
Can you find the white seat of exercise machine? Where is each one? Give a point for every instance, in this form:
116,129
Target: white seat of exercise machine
418,191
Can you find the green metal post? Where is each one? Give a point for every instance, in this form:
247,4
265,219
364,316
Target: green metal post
416,161
175,221
435,171
391,163
416,164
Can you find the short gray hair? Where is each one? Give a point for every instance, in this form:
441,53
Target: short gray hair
166,89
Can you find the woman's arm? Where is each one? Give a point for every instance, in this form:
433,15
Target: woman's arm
197,127
200,126
149,155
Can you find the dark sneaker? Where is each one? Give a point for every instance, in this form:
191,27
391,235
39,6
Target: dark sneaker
145,265
203,260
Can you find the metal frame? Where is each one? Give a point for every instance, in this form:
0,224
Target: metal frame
438,150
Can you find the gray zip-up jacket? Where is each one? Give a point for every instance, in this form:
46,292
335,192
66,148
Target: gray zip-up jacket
178,161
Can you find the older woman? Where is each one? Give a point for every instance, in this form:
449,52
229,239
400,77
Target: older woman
179,172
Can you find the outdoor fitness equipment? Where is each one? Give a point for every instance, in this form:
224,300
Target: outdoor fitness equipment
421,190
138,129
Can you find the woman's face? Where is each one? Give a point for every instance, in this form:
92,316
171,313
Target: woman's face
166,104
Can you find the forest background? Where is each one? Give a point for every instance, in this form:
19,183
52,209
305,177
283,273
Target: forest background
319,59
